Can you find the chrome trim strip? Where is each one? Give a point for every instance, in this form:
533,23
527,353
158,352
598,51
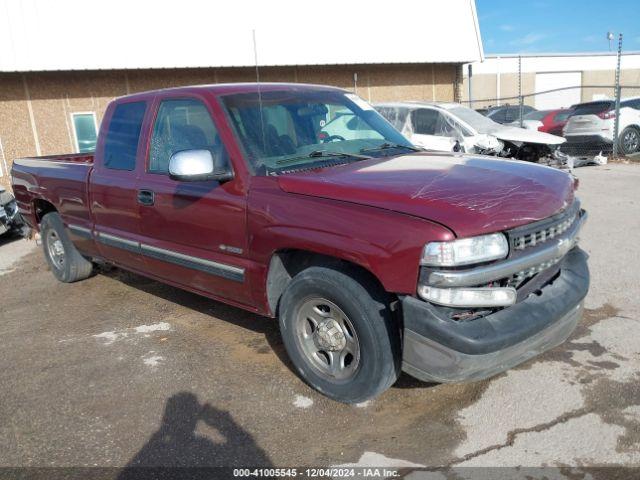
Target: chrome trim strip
114,238
188,258
80,231
229,272
506,268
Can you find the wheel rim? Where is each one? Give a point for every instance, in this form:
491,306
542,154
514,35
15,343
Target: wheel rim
327,339
631,141
55,249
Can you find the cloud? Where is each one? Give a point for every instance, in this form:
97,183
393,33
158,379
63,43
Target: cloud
507,28
528,40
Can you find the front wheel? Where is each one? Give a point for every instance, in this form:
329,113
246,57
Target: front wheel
67,264
340,334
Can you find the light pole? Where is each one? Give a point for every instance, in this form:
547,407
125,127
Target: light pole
610,38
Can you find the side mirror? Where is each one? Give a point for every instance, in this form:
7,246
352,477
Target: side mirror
196,165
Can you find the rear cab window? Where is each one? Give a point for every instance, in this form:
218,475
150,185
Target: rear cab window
123,135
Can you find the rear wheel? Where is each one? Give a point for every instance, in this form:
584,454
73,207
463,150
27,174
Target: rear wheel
67,264
630,140
339,332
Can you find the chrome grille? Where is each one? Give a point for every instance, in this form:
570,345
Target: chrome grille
539,232
534,238
522,275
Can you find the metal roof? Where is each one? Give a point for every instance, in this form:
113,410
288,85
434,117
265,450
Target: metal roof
42,35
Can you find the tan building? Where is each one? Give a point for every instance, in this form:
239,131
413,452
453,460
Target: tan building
550,81
53,92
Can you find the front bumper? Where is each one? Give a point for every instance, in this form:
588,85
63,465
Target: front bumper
443,350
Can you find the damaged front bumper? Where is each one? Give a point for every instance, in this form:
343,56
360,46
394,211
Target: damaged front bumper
439,349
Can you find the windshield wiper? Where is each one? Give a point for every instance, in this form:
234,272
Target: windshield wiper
388,145
322,154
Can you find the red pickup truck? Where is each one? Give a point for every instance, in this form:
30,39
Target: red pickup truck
301,202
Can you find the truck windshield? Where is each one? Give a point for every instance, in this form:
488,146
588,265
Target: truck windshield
289,130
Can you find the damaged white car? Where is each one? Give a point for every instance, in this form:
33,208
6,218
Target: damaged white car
10,219
454,127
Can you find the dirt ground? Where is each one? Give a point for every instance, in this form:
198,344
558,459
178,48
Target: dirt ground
119,370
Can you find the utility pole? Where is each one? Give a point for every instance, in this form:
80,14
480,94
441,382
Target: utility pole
520,87
616,120
470,70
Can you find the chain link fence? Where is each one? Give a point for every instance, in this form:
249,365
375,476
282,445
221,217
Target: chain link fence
588,125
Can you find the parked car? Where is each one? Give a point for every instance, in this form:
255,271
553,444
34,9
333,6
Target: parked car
591,126
454,127
549,121
10,220
373,256
507,113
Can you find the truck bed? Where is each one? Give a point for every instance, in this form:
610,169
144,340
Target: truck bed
60,180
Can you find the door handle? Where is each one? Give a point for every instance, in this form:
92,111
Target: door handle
145,197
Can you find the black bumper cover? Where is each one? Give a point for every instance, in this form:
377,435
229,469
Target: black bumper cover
443,350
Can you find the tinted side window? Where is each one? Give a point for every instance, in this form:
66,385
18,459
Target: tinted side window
184,125
121,143
424,121
563,116
499,116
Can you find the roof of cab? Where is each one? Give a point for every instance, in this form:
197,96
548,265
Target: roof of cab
229,88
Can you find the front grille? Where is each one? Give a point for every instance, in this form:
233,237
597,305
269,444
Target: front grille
538,233
517,278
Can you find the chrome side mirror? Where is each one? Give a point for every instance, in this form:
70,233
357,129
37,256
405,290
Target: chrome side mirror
196,165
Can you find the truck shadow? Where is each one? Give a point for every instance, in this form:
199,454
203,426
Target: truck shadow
177,450
236,316
233,315
9,237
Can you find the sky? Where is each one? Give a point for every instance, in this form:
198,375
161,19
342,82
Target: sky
558,26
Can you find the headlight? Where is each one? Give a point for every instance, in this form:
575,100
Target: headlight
469,297
465,251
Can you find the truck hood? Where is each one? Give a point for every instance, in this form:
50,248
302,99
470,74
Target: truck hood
470,195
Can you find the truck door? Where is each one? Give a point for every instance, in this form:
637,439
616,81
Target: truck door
193,233
112,188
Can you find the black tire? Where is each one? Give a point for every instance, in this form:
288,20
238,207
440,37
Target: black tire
71,266
629,140
367,307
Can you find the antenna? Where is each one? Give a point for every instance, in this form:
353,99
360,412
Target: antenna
255,57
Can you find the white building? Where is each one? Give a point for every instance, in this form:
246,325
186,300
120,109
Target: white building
592,76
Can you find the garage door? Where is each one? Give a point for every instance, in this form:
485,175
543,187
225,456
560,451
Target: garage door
563,98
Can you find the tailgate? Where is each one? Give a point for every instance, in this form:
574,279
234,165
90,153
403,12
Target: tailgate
584,124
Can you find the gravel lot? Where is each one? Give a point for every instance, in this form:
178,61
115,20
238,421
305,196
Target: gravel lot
120,370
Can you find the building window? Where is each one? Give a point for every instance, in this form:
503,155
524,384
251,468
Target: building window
85,131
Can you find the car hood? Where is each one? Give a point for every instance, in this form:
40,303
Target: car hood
470,195
517,134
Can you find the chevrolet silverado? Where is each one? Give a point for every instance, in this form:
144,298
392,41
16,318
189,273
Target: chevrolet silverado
301,202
